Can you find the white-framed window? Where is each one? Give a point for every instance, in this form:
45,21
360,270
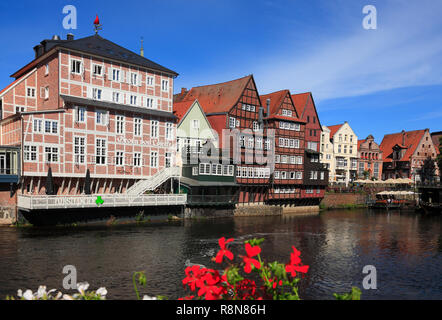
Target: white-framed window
116,97
101,117
267,144
100,151
51,154
119,158
137,159
165,85
150,103
292,175
250,142
281,142
195,124
242,141
299,175
154,159
97,93
283,159
79,149
299,160
97,70
277,158
232,122
154,124
322,175
169,131
230,170
296,143
281,125
255,126
46,69
80,114
283,175
292,160
286,142
150,81
116,75
138,127
51,126
276,174
76,66
133,100
20,109
44,92
37,125
119,124
195,171
168,159
291,143
30,153
134,79
259,144
30,92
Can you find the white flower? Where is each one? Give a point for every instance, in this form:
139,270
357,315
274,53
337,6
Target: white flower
59,295
102,291
40,292
67,297
19,293
82,287
28,295
149,298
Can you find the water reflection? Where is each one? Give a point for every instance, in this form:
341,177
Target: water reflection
406,249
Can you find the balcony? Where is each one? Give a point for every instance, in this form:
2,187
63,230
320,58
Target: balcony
9,164
42,202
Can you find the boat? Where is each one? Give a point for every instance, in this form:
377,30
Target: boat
393,200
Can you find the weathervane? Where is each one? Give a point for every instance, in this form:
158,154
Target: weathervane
97,25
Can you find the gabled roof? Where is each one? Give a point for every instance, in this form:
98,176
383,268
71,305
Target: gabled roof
360,142
300,100
9,86
180,109
334,129
102,47
219,98
406,139
276,100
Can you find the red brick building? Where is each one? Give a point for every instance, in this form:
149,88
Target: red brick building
405,152
89,104
289,147
369,159
235,112
315,174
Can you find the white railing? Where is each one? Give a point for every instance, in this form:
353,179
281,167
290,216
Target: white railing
36,202
155,181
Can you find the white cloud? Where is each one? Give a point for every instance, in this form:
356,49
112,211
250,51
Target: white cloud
405,50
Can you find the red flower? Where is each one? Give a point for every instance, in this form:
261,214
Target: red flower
223,252
294,265
193,277
187,298
251,252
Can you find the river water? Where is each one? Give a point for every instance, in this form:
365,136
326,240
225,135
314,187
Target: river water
405,249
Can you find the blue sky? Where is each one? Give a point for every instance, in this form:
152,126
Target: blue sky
380,81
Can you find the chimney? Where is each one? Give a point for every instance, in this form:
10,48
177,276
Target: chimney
55,37
183,90
268,107
70,37
403,137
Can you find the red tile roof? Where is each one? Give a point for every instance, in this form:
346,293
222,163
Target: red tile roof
300,100
278,117
334,129
9,85
276,100
410,142
180,108
219,98
360,142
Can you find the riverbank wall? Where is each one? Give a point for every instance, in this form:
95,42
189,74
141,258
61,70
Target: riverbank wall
344,200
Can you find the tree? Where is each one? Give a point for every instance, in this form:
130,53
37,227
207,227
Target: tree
428,170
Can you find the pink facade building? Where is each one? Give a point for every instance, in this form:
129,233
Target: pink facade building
89,104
